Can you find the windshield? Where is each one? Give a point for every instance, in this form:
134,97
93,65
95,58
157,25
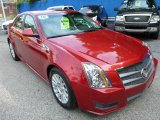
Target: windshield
138,4
56,25
85,10
70,8
93,9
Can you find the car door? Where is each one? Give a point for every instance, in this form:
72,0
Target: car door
33,47
16,34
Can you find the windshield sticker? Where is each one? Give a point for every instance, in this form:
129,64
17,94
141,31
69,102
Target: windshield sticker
43,17
138,3
65,23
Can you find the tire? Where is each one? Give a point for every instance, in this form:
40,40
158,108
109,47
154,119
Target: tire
62,89
12,52
104,23
155,35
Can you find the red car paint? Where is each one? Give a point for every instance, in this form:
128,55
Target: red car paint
108,49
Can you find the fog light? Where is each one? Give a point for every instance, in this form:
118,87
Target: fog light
105,106
153,29
118,28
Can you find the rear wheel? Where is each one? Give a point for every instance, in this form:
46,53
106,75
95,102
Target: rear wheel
61,89
12,51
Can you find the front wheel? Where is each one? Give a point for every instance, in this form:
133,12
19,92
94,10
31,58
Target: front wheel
61,89
155,35
104,23
12,51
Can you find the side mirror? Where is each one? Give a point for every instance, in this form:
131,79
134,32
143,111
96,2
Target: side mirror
158,7
29,33
116,9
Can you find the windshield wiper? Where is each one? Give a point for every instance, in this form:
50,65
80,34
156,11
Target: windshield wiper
143,8
124,9
139,8
93,29
58,36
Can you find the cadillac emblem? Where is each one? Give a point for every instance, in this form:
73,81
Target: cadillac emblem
144,73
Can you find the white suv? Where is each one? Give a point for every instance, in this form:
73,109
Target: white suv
61,8
4,26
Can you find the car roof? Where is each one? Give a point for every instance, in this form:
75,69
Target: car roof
91,5
48,12
59,7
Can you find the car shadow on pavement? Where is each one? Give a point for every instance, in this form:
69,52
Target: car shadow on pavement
144,37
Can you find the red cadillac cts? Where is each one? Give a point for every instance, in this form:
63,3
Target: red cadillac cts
88,66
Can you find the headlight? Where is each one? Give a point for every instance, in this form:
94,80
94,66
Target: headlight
145,44
155,18
96,76
120,18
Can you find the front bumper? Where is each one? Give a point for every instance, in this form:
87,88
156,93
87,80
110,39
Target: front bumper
137,27
105,101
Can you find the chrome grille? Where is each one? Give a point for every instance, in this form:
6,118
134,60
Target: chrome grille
135,75
137,18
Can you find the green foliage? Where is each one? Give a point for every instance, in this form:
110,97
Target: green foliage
30,2
19,2
11,17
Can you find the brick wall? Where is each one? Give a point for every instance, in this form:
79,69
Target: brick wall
10,10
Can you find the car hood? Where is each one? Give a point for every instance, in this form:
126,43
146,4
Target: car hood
104,45
7,22
122,12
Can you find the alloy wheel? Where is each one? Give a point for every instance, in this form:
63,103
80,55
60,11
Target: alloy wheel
12,50
60,88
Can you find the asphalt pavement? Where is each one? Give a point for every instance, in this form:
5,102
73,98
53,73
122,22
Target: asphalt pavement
25,96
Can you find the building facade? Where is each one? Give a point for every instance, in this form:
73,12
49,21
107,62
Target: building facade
109,5
10,9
